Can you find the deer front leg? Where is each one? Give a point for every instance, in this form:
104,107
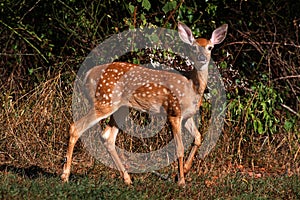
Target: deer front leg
176,128
191,127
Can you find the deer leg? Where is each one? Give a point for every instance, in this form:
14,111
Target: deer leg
76,131
109,135
192,128
176,128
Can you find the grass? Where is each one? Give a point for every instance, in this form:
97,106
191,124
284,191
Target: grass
18,185
36,135
261,130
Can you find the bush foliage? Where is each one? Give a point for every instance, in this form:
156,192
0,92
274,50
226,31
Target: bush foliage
43,44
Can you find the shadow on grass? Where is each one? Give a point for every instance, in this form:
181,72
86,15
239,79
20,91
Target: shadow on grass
32,172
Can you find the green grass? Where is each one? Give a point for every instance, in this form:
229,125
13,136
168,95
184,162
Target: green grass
147,186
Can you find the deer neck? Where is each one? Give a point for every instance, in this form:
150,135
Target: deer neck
202,77
199,79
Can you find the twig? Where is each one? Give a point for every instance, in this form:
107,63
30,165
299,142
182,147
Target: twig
25,39
169,17
17,54
263,43
296,154
172,13
286,77
290,109
36,3
134,16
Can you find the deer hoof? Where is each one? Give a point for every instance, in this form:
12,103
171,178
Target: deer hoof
127,179
65,177
181,183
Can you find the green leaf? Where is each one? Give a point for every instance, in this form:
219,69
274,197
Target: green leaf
288,125
154,38
255,125
31,70
131,8
146,4
211,9
143,18
169,6
260,127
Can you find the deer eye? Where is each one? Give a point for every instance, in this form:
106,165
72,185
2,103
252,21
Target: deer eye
209,48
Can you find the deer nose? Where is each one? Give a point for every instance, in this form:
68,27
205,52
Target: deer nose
201,58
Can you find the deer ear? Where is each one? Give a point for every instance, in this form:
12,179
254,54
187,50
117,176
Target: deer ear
185,33
219,34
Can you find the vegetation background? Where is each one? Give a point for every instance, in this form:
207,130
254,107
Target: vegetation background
44,42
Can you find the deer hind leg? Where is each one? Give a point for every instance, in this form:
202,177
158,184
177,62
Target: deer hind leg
176,128
192,128
109,135
76,130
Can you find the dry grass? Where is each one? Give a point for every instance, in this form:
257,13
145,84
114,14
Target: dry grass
36,102
35,122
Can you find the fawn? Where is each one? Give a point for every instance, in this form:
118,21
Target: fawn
118,84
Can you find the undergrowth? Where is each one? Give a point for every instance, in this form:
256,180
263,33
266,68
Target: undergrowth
43,45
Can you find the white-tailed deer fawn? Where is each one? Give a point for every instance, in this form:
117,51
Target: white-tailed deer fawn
118,84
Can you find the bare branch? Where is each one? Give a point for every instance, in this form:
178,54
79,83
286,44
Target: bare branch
290,109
